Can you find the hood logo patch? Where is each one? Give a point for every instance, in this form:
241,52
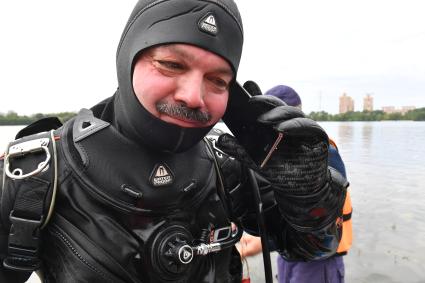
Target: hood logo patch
208,24
161,175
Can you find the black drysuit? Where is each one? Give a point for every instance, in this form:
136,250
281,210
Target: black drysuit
114,210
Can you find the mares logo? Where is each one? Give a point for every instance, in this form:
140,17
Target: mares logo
208,24
161,175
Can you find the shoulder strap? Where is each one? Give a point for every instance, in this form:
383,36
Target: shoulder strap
42,125
30,184
221,191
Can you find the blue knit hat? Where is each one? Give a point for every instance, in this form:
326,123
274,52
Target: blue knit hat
286,94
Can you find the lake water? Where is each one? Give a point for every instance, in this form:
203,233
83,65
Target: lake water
385,164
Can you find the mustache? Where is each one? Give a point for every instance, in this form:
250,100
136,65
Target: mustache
182,111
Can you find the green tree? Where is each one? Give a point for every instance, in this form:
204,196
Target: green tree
416,114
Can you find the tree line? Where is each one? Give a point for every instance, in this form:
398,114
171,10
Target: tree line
377,115
12,118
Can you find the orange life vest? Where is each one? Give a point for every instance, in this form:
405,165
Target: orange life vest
347,229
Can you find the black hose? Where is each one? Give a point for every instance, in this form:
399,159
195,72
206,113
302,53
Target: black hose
262,227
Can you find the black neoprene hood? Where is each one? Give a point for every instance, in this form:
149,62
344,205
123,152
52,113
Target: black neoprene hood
155,22
214,25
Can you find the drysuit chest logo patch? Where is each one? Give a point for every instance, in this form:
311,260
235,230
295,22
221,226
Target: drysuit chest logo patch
208,24
161,175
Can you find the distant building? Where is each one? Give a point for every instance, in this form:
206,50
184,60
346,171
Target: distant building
368,103
389,109
346,104
403,110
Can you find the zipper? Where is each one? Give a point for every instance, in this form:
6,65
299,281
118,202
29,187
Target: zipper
67,243
90,255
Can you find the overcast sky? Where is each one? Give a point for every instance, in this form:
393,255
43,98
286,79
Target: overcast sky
60,55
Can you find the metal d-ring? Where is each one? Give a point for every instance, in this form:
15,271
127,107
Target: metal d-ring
22,149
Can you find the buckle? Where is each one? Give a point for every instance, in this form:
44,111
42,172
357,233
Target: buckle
23,245
25,148
24,236
21,264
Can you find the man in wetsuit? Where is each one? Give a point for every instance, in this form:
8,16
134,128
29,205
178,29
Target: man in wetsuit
130,191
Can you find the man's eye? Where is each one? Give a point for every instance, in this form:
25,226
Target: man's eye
219,83
171,65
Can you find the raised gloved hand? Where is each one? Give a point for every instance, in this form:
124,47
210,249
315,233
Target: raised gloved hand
298,168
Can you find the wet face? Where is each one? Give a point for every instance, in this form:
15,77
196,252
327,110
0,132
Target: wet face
182,84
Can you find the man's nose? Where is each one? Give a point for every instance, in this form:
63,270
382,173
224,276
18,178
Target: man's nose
191,91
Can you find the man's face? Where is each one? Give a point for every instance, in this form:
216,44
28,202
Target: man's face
182,84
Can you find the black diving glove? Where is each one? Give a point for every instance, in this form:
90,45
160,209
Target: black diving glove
298,168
